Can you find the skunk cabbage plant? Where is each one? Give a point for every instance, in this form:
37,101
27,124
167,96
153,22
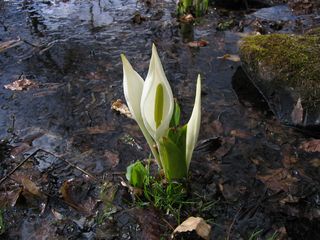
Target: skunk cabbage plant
152,106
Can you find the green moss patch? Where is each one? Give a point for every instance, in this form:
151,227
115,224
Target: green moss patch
293,60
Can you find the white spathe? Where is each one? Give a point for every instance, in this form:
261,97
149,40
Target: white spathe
193,126
132,87
155,77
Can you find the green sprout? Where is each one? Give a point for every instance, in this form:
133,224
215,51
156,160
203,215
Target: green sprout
199,7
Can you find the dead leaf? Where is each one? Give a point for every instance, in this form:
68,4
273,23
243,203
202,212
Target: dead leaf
315,162
100,129
196,224
230,57
279,180
112,158
240,134
289,157
9,197
56,214
231,192
138,18
30,186
217,127
20,84
297,113
186,18
122,108
311,146
108,191
226,145
23,147
148,220
199,43
9,44
75,192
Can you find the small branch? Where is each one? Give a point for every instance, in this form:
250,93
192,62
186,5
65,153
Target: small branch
17,167
232,224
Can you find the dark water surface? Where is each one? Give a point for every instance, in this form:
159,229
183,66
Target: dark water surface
71,50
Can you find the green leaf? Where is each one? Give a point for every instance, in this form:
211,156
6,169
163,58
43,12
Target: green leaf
173,159
179,136
175,120
136,174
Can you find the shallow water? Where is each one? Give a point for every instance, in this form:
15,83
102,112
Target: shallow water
71,49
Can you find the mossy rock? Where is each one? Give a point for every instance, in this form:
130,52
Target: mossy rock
286,70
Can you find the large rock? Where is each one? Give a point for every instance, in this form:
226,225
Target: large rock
286,70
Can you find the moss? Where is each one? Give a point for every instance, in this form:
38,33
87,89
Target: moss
293,59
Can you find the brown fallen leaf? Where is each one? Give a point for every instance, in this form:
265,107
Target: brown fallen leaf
199,43
20,84
76,193
8,198
297,113
289,157
56,214
230,57
23,147
279,180
186,18
226,145
30,186
138,18
9,44
196,224
217,127
311,146
148,220
112,158
240,134
120,107
100,129
315,162
231,192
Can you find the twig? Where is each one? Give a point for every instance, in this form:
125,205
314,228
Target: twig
170,226
80,169
71,164
17,167
231,225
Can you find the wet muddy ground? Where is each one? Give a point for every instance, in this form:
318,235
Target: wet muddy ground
64,151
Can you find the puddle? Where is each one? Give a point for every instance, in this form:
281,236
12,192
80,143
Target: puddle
71,49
